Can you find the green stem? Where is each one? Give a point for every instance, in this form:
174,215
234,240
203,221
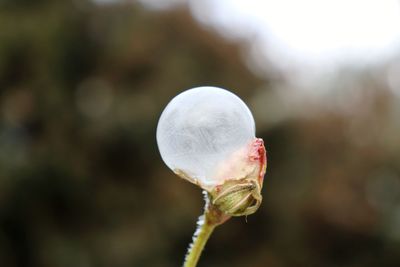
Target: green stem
205,226
200,239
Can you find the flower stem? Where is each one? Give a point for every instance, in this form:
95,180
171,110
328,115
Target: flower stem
202,234
206,224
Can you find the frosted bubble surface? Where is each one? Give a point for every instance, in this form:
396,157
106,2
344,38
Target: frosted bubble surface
200,128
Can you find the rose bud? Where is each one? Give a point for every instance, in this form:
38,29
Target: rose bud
206,135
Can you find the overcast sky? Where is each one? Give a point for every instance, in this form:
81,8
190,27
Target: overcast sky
314,33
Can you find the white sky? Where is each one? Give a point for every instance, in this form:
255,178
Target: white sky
309,31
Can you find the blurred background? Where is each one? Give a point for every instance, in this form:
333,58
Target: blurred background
82,85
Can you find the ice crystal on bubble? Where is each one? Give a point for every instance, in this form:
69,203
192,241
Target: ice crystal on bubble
202,127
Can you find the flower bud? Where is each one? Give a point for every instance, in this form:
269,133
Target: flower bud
206,135
240,192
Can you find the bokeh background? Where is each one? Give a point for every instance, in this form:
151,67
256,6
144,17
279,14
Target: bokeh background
82,84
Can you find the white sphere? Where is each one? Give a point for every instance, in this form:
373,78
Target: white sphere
200,128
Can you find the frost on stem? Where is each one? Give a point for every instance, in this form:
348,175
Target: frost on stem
206,223
200,224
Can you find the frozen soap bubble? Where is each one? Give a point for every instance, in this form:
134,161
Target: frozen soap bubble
200,128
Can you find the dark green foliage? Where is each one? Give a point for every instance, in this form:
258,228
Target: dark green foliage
81,181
